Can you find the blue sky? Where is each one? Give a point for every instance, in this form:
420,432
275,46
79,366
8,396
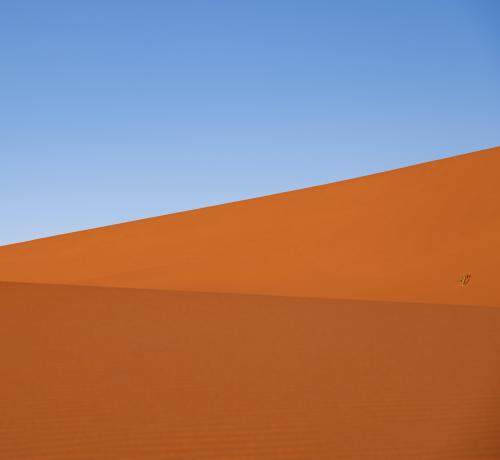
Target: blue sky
117,110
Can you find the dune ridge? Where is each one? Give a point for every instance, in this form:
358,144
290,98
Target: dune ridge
403,235
113,373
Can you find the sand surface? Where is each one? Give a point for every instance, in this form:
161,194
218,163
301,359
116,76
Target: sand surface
404,235
110,373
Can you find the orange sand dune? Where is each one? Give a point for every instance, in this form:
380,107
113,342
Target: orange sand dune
108,373
403,235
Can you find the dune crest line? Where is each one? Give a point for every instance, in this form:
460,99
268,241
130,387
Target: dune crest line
403,235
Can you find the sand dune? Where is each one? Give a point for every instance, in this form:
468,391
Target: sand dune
218,333
110,373
403,235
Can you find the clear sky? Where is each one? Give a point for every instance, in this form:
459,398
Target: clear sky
117,110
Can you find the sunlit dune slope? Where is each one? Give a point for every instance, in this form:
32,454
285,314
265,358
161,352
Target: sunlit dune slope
109,373
403,235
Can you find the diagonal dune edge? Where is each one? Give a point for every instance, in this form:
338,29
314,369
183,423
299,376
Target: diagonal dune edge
485,151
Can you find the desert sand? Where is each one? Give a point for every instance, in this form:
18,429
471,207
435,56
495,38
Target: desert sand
324,323
114,373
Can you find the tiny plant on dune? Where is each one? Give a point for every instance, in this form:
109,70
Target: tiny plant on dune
464,279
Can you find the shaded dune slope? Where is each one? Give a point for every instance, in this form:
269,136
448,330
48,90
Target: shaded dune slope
110,373
403,235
